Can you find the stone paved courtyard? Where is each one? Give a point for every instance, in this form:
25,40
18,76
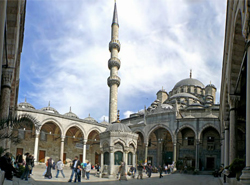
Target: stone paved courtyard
172,179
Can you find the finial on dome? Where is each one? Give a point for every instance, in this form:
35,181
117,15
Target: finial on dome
49,104
25,100
190,73
89,114
118,116
70,109
210,82
103,118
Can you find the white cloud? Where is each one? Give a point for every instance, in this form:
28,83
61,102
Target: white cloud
65,52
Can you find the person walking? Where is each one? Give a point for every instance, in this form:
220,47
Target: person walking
160,171
48,172
5,165
78,171
123,171
28,167
59,166
88,168
139,168
149,170
74,167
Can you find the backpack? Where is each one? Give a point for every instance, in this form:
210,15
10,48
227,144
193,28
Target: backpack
54,166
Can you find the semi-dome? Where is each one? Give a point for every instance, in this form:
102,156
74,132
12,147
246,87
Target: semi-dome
119,127
188,82
50,109
25,105
71,114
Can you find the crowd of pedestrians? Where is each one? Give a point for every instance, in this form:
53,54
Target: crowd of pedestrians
18,165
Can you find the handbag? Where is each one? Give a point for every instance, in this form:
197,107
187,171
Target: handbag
30,167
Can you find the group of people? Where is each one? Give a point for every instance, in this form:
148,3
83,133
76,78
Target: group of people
11,165
148,168
80,170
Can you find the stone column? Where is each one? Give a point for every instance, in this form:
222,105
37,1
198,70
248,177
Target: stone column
175,153
245,177
232,129
111,162
197,154
5,102
62,147
36,146
134,161
146,152
102,163
3,8
222,147
125,159
226,153
84,151
5,93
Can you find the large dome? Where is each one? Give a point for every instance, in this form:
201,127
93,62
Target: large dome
71,114
189,81
119,127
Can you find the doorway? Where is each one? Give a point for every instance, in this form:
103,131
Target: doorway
42,156
210,163
19,151
64,158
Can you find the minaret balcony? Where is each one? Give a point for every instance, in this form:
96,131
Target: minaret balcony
114,61
114,80
114,44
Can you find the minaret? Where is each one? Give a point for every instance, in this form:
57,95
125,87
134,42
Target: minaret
114,65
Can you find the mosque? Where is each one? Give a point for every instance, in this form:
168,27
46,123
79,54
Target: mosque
183,125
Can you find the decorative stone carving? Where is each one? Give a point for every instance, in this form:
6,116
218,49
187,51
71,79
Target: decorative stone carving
7,77
114,44
114,61
114,80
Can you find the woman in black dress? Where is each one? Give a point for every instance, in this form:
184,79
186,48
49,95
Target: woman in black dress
48,173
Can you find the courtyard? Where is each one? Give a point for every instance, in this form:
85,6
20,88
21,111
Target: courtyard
176,179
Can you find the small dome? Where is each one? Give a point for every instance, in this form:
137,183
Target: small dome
211,85
119,127
211,116
90,118
71,114
25,105
50,109
188,82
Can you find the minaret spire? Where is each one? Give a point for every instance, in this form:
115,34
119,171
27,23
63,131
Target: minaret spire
115,16
114,64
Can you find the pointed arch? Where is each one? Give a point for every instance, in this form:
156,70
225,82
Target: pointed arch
93,129
155,127
57,123
75,124
183,127
207,126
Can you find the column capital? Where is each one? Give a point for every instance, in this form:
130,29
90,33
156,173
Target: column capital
7,74
84,141
226,125
232,100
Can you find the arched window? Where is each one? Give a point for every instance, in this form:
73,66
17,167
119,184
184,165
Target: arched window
106,158
188,90
182,90
130,158
118,158
195,91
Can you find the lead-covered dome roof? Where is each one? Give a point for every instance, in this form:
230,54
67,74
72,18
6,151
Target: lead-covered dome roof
71,114
25,105
50,109
188,82
119,127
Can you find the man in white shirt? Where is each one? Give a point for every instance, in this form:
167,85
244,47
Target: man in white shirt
88,168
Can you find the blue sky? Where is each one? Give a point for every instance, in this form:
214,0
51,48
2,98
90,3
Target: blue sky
65,53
